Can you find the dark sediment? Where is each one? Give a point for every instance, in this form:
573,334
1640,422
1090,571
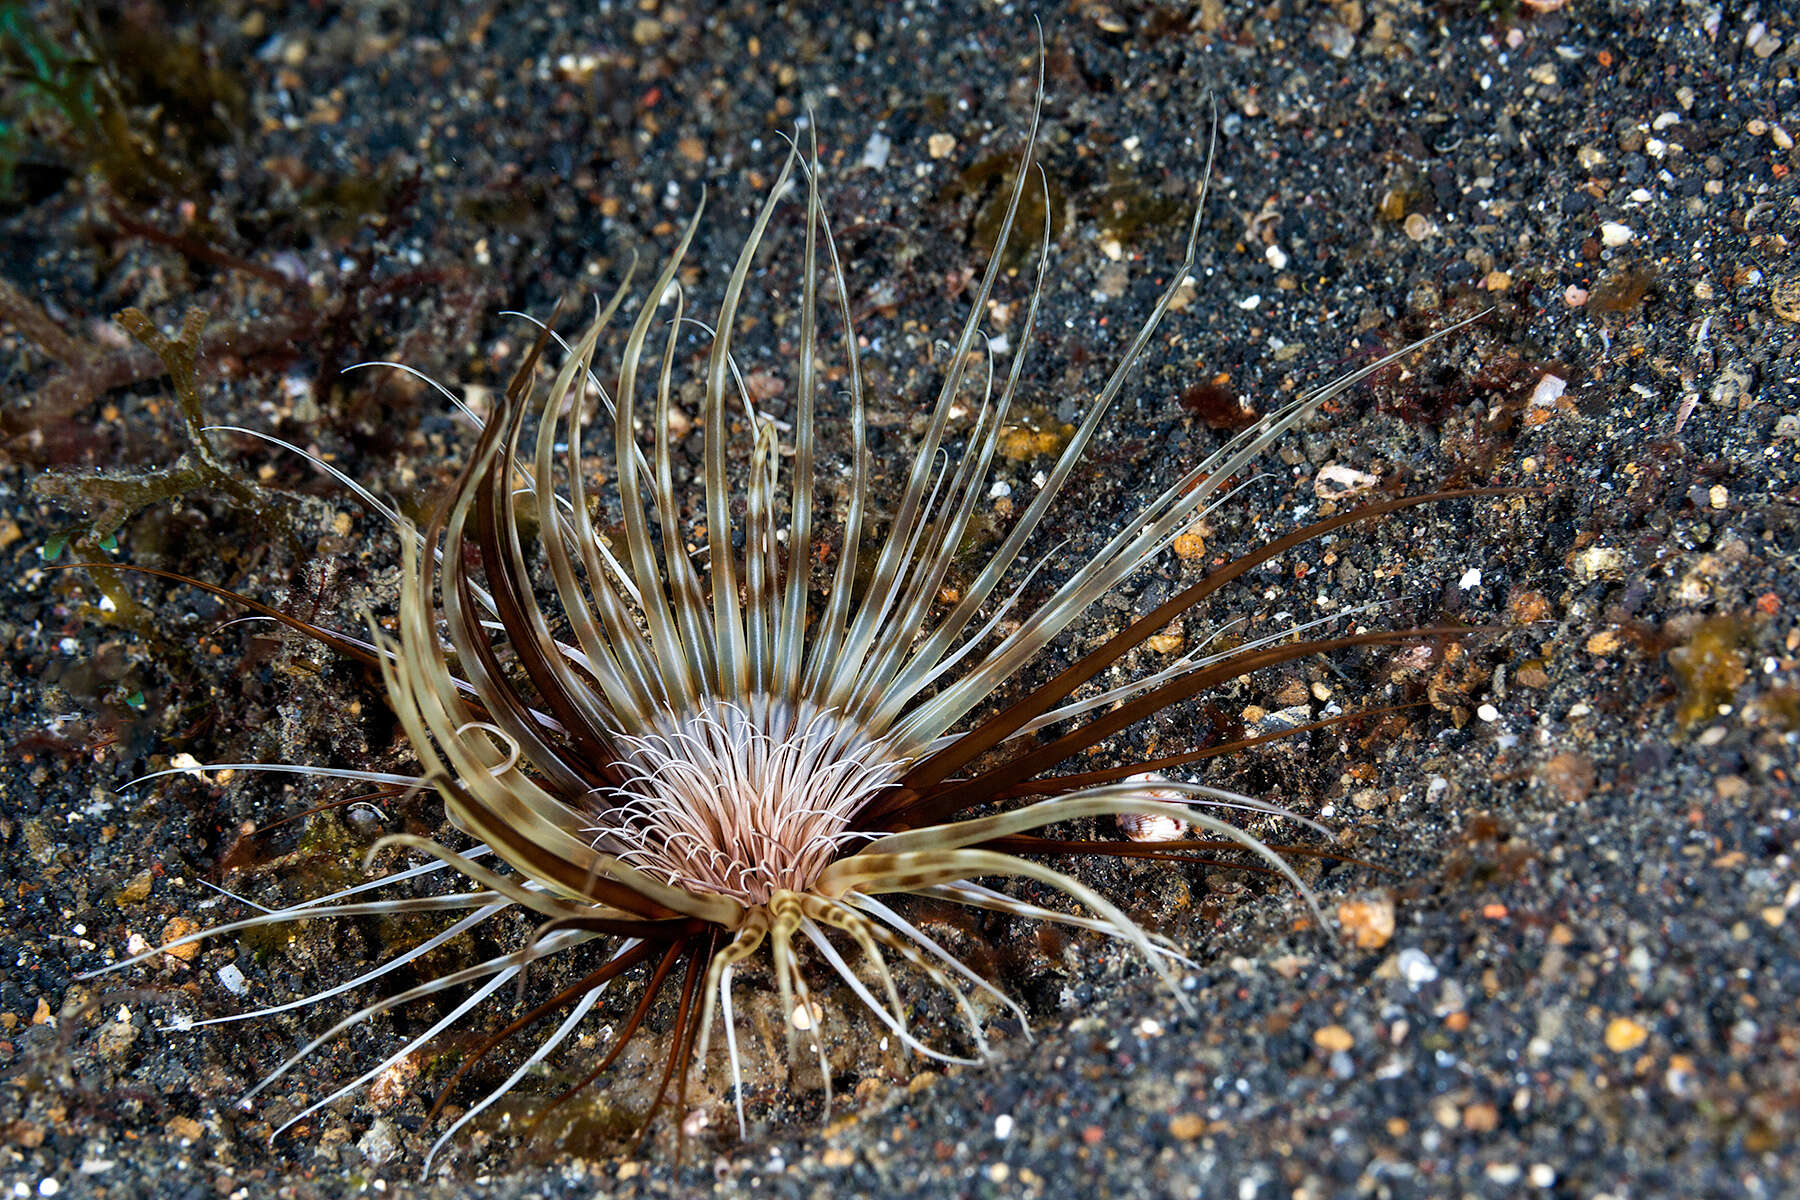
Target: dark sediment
1584,831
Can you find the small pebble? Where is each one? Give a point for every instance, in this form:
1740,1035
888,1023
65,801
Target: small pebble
1624,1034
876,150
380,1143
1599,562
1784,297
233,979
1549,388
1416,966
1614,234
1190,545
1369,922
1333,1037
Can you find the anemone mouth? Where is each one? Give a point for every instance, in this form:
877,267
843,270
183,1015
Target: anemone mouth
742,800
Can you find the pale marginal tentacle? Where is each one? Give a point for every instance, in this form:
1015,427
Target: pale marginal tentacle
872,872
371,908
680,687
731,1048
577,1014
362,493
974,895
1123,554
728,627
231,895
870,937
425,947
443,1023
870,1002
841,916
907,929
382,777
1105,801
498,970
789,655
460,404
832,627
427,868
890,562
685,594
900,683
747,940
513,888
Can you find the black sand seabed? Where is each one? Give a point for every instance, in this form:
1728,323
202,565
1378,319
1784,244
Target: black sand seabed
1590,987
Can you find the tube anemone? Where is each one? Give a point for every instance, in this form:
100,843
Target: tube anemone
677,766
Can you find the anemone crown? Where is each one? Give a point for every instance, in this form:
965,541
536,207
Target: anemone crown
689,762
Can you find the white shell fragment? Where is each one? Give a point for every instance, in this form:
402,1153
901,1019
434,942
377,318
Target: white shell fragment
1336,479
1548,390
233,979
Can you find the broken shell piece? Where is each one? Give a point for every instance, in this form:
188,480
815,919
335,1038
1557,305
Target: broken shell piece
1548,390
806,1015
1145,827
1336,479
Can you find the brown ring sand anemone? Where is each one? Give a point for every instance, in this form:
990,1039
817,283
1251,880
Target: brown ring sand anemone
675,766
